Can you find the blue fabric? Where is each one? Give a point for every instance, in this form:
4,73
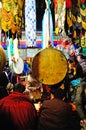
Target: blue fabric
26,68
75,82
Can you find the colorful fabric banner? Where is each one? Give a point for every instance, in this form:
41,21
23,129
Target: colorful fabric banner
30,22
47,27
60,12
12,13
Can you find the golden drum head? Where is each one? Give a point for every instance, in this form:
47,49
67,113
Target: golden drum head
49,66
2,59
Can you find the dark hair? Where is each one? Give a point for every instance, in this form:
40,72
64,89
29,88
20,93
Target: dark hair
73,59
18,87
57,91
3,80
82,56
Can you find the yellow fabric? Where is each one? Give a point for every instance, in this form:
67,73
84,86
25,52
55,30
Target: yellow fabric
5,1
73,18
6,15
79,19
83,12
69,21
20,4
84,25
12,14
16,1
16,19
56,30
15,9
7,5
0,15
6,26
60,3
83,43
74,34
20,13
13,27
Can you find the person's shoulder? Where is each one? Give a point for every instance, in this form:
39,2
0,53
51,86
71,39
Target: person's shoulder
49,101
53,101
14,100
46,101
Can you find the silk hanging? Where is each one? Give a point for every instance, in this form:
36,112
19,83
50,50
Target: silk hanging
30,22
47,27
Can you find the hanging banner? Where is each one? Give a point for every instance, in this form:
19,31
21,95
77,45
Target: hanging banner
30,22
60,11
47,27
12,12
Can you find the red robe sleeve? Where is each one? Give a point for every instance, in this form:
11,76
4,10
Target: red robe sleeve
20,110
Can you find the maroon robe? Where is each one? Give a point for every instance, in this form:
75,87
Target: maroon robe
19,111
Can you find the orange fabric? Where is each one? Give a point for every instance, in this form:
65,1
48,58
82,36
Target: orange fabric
55,3
72,106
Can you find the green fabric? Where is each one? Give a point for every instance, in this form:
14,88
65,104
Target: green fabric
83,6
84,50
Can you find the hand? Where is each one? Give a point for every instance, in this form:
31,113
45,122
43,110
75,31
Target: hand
83,122
38,106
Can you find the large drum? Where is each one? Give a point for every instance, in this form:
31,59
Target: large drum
49,66
2,59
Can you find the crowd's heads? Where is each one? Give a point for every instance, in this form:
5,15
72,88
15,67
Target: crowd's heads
58,91
81,55
18,87
72,59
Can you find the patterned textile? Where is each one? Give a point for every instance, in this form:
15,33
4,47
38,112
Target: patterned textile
12,12
60,19
47,27
76,20
30,22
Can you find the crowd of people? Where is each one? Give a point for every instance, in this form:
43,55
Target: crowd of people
64,107
18,112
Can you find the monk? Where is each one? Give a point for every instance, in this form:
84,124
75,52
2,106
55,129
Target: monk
17,112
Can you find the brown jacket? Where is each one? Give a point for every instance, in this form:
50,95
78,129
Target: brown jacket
57,115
